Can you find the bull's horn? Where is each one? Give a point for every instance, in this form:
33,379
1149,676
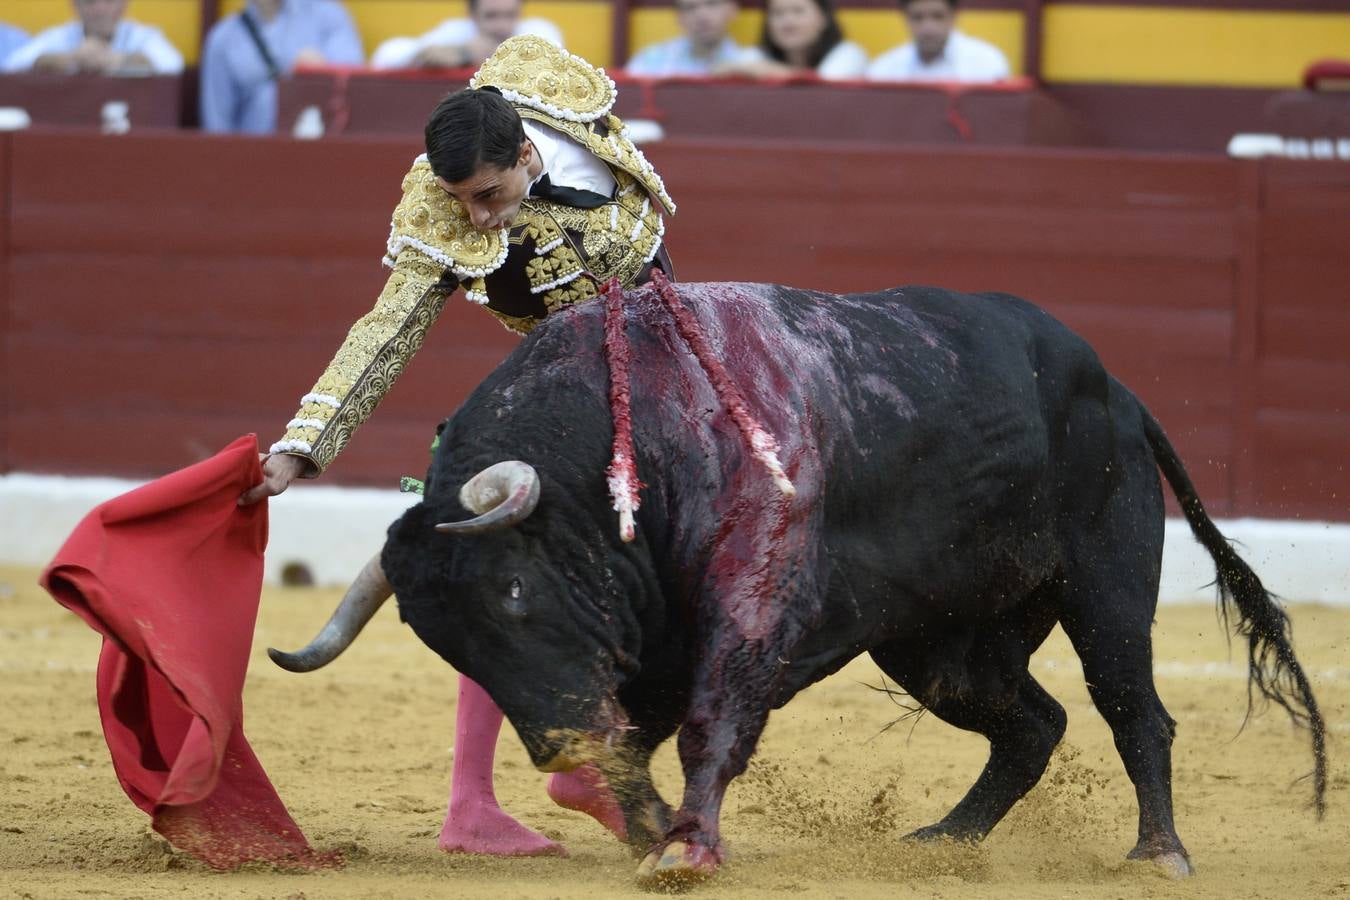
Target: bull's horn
502,495
364,597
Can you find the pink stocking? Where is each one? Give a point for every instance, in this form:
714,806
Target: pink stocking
475,822
586,790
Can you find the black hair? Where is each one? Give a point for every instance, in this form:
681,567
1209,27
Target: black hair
951,4
830,36
470,129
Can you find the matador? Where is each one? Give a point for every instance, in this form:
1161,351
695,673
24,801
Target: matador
531,197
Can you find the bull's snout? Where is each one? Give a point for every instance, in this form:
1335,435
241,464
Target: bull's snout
565,749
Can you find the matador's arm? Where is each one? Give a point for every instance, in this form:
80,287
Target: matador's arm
432,247
370,360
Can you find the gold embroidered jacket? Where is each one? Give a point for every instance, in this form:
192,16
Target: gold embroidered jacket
551,256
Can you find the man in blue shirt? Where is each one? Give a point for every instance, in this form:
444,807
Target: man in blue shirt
11,39
704,45
245,54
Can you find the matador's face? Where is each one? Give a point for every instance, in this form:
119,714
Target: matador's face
493,194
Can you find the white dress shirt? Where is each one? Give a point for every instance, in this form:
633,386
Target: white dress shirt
567,163
964,58
676,57
129,37
398,52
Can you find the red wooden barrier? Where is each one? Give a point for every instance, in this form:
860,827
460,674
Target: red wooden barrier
197,288
154,101
356,101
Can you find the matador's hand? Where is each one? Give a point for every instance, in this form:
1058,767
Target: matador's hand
279,470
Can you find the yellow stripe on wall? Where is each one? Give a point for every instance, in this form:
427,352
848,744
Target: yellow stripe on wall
875,30
37,15
1137,45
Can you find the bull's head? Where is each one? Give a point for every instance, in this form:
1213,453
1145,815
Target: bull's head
519,600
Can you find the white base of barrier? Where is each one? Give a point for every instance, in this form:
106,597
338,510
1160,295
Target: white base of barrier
331,532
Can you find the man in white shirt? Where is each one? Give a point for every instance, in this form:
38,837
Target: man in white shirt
937,51
704,45
460,43
100,42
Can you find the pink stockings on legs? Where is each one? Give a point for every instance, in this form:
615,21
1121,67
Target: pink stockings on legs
475,823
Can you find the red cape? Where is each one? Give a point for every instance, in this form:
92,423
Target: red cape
171,574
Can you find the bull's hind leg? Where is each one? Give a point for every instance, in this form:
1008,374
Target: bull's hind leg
1110,596
1110,630
1022,735
986,689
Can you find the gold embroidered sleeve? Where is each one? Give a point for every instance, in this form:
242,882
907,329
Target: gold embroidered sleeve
370,360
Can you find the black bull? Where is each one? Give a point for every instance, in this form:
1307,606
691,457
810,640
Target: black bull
967,473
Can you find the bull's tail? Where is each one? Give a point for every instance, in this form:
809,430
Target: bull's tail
1272,668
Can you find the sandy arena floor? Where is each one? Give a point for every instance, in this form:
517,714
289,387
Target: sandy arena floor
360,752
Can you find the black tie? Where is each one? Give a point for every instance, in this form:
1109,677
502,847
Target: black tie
544,189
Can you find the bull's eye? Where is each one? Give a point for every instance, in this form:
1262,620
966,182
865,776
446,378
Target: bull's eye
513,604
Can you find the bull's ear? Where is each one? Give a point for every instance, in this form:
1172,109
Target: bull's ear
413,520
410,558
407,536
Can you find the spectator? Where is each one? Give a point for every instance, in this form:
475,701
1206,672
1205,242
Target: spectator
937,51
11,39
801,36
704,45
459,43
246,53
99,42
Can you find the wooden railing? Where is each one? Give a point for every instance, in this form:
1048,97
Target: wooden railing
165,292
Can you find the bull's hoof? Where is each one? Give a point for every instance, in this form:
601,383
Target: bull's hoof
1172,863
930,834
677,866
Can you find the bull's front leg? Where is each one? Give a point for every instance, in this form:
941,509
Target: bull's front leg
760,589
716,742
645,816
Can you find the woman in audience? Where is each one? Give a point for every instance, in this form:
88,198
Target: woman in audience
801,37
